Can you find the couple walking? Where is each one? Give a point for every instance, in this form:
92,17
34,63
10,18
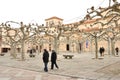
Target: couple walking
46,59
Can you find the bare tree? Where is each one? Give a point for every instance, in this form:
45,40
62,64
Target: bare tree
19,35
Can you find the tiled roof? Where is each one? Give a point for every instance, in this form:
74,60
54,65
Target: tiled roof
85,22
54,17
91,21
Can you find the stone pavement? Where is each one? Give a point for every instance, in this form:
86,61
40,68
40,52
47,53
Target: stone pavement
81,67
8,73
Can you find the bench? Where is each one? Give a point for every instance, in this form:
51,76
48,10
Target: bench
2,54
32,55
68,56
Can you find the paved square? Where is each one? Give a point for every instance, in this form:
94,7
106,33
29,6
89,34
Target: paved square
80,67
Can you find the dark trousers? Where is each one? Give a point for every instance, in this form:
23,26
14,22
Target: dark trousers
116,53
101,53
45,68
52,65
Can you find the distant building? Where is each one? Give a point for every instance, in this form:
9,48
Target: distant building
53,21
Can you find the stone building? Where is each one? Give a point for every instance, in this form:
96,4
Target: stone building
72,43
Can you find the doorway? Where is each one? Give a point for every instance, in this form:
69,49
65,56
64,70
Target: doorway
67,47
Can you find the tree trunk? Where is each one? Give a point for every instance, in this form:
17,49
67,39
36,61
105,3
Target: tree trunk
23,53
13,52
77,47
109,41
91,45
109,3
96,48
39,49
56,44
113,47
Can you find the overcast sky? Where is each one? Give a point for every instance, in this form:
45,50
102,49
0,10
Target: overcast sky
37,11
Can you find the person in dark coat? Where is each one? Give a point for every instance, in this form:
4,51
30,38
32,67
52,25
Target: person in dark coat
45,60
101,51
117,50
31,52
53,59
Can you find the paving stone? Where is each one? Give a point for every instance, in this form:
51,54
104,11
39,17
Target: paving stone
4,78
81,67
23,78
38,77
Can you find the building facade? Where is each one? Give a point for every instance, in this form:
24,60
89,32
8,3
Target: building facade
75,43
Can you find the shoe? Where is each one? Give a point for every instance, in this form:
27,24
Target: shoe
46,71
